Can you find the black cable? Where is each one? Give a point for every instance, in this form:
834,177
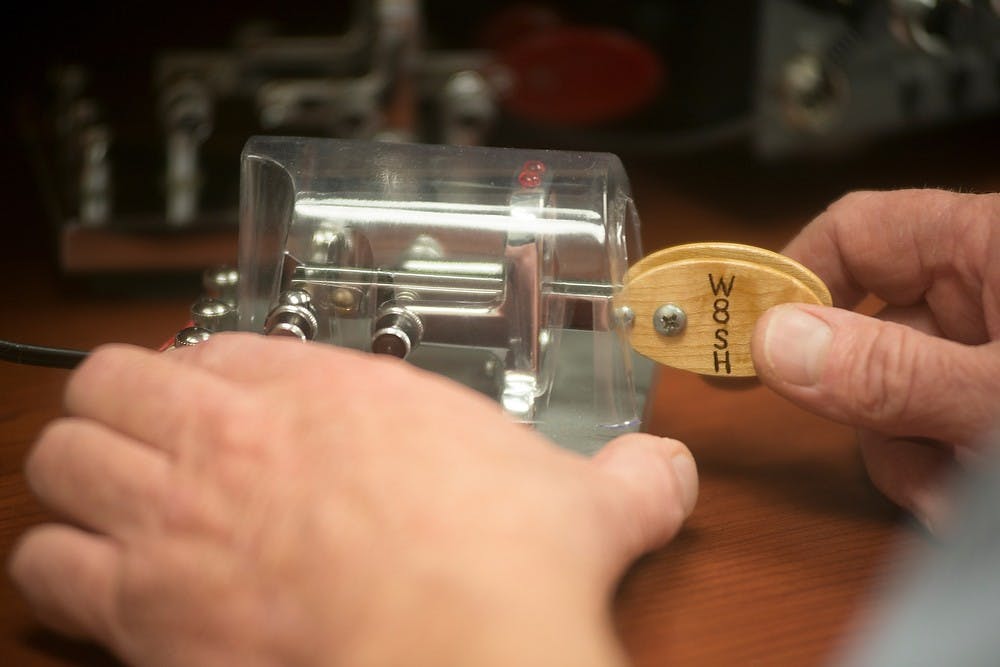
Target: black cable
36,355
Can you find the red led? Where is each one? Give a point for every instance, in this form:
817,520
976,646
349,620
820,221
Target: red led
529,179
534,165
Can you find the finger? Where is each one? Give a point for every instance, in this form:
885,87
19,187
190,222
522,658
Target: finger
153,399
655,483
904,246
879,375
912,474
97,477
67,575
246,357
917,317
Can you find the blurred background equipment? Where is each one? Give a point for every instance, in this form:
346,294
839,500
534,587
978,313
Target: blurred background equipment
835,72
139,164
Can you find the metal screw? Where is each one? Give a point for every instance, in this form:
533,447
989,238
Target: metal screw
221,283
343,298
295,297
625,315
191,336
669,320
294,316
425,247
397,332
213,314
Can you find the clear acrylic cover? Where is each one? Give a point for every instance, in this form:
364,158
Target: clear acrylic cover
495,267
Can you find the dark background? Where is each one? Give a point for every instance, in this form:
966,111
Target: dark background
706,46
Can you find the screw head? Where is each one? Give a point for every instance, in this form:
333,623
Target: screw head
625,316
294,320
392,341
191,336
295,297
221,282
669,319
213,314
343,298
288,330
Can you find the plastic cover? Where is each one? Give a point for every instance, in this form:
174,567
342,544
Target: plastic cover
495,267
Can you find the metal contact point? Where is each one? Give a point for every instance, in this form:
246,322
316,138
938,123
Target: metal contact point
191,336
213,314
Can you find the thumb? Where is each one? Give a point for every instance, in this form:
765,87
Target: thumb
654,487
877,374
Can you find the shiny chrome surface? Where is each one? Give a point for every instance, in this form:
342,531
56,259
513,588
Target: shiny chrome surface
191,336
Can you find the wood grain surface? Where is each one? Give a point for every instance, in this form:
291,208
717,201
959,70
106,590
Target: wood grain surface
721,295
788,542
730,251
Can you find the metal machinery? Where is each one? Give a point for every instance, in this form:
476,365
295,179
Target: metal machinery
365,83
784,76
495,267
833,74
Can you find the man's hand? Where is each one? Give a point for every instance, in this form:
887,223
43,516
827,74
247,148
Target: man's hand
921,380
254,501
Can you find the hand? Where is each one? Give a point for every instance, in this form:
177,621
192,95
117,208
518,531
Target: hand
254,501
922,379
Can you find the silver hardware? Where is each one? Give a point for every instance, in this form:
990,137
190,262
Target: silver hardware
213,314
398,331
625,316
187,110
339,246
814,92
221,283
468,108
923,23
424,248
191,336
669,320
293,316
295,297
95,175
441,292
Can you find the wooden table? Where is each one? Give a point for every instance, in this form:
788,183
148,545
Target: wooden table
788,539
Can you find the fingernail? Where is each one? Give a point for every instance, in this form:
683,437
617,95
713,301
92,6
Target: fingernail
932,509
686,473
795,345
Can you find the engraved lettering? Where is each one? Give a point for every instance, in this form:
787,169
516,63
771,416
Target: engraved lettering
721,286
725,360
721,335
720,314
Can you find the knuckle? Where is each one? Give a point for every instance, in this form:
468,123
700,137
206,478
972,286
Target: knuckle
18,560
239,424
47,452
82,376
101,357
215,412
881,390
851,211
220,350
101,361
850,206
142,583
22,561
